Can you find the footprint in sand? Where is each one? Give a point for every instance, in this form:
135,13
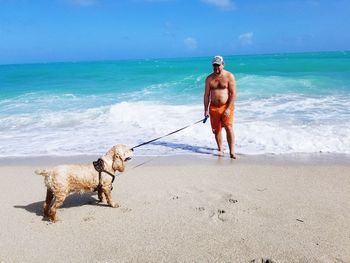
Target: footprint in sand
233,201
125,209
262,260
88,218
200,209
216,199
219,214
229,198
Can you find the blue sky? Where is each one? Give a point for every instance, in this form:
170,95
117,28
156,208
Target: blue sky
74,30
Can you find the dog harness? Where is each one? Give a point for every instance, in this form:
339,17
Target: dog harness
100,168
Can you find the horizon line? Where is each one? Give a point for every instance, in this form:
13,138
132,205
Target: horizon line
164,58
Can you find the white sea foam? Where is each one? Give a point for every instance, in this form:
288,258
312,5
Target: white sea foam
280,124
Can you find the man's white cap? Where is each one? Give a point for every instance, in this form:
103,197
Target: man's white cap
218,60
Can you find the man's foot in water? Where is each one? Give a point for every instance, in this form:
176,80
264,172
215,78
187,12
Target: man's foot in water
233,156
220,153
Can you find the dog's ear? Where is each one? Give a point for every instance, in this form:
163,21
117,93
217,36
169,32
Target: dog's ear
119,153
118,163
111,153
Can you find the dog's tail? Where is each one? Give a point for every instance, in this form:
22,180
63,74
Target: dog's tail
42,172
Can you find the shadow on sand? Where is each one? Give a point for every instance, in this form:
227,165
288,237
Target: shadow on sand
186,147
73,200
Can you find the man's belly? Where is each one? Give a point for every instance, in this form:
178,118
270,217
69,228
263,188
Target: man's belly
218,97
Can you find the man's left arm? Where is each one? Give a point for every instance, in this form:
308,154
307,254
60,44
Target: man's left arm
231,93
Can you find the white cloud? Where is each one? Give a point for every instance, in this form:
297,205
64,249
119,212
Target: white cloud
190,43
223,4
246,39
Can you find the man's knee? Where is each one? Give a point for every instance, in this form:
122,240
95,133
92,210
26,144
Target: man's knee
216,131
228,127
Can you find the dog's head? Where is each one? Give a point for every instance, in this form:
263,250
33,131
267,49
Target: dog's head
119,154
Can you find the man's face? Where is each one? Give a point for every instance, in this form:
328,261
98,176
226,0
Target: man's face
217,68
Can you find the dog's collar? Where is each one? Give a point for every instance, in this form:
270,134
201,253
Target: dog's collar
100,168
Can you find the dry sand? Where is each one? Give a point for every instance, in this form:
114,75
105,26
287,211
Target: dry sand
185,209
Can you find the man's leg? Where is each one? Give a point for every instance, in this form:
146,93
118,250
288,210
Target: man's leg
215,121
218,138
230,140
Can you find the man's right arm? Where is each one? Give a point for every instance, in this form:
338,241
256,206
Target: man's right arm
206,97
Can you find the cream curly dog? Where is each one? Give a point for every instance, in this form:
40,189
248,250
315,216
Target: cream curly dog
65,179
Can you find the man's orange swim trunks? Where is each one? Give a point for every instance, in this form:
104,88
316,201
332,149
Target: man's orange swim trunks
217,118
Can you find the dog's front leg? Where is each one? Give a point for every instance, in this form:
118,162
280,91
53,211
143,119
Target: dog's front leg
108,193
100,194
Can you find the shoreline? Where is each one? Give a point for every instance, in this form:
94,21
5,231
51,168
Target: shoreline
295,158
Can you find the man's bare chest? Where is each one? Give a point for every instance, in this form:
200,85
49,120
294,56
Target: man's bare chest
219,83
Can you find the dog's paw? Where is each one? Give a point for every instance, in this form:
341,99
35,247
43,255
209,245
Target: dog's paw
52,220
102,201
114,205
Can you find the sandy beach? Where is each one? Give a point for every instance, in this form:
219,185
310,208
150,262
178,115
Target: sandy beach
185,209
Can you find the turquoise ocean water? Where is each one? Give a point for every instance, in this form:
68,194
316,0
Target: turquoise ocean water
286,103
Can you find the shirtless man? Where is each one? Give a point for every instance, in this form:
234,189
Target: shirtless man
219,103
